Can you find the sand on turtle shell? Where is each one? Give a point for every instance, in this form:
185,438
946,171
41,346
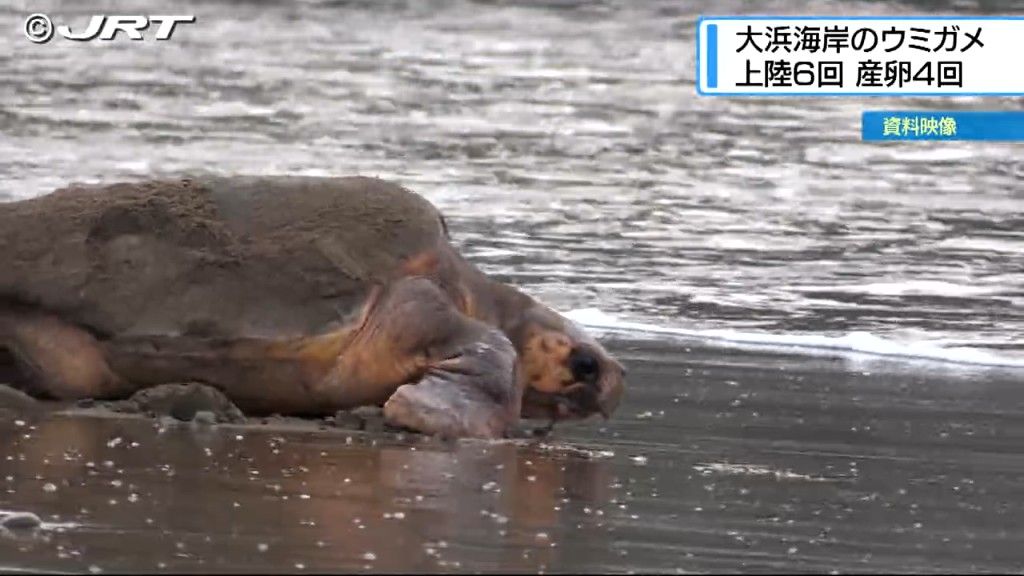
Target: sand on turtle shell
208,256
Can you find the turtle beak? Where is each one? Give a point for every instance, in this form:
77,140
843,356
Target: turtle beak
601,381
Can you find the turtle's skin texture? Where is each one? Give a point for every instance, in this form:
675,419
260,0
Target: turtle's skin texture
292,295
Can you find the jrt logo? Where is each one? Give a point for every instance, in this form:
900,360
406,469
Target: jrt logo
39,28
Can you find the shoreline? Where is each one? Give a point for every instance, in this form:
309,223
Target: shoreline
717,460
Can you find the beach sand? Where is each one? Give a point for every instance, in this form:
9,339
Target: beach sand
718,460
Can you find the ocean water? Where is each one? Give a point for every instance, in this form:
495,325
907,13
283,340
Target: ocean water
567,145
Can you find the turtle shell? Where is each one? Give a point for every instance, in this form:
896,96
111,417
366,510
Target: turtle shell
210,256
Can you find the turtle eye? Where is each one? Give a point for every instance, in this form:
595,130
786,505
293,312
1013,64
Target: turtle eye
584,366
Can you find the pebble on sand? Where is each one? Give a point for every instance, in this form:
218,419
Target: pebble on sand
19,520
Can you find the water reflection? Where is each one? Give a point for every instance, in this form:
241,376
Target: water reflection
265,499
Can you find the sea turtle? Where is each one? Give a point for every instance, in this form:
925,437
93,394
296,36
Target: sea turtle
292,295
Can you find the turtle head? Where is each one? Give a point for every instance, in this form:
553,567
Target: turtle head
566,373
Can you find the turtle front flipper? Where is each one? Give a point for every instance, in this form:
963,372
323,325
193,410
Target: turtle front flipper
436,370
472,393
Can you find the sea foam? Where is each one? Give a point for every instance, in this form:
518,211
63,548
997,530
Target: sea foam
852,343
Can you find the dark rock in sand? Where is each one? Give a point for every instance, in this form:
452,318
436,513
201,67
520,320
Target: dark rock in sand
184,402
369,418
346,420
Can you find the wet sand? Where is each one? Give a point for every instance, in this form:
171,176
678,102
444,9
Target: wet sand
717,461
